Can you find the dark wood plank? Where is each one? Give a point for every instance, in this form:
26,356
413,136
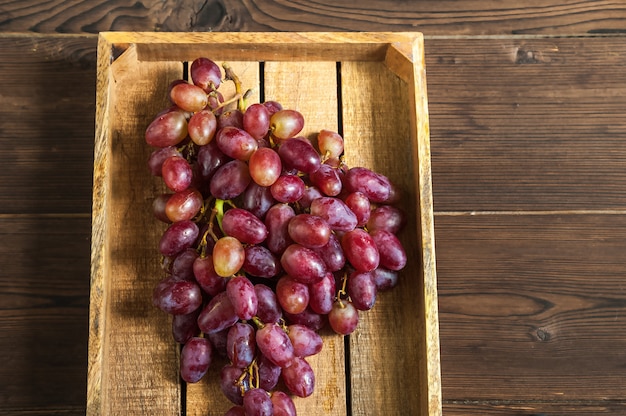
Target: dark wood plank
44,301
527,124
532,307
511,408
47,116
442,17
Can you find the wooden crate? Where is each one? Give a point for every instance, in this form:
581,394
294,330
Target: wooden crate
371,87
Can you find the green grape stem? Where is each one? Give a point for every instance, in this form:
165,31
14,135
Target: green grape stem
257,322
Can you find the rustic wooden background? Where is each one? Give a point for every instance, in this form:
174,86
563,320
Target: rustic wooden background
528,128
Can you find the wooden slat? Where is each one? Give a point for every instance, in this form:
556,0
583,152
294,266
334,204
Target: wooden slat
46,118
293,84
531,408
527,124
125,260
202,398
378,383
532,307
44,299
448,17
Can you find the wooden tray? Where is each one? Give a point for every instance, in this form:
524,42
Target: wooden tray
370,86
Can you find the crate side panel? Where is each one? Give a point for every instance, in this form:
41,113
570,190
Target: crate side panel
263,46
141,357
311,88
386,348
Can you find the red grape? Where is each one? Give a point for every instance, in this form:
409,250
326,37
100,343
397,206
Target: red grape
268,310
360,250
168,129
299,154
177,297
386,217
303,264
177,173
242,295
188,97
309,230
228,256
257,402
217,315
322,294
330,144
230,180
293,296
202,127
275,344
336,213
287,188
206,74
236,143
195,359
158,156
277,223
392,254
299,377
362,290
184,205
256,120
285,124
375,186
283,405
241,344
261,262
343,318
305,341
204,272
178,237
327,180
265,166
269,373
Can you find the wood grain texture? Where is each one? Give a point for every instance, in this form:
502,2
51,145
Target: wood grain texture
44,296
533,306
531,408
47,123
293,84
475,17
528,124
126,331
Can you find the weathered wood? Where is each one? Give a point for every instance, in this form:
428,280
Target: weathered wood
126,332
132,357
475,17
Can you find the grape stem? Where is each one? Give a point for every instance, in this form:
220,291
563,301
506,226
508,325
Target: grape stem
218,210
234,98
257,322
341,293
230,75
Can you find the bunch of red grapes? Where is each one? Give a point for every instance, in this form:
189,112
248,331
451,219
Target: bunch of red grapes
270,237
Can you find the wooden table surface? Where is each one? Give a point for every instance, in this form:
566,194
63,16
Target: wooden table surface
528,127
